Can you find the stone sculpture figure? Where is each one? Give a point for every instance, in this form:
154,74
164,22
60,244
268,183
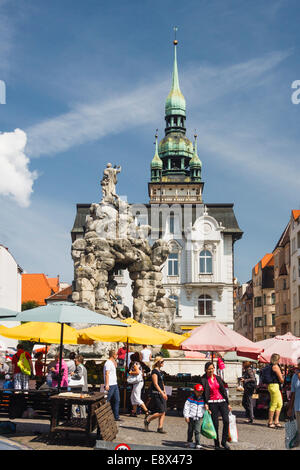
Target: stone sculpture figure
109,182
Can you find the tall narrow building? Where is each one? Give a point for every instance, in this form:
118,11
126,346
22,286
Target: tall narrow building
198,275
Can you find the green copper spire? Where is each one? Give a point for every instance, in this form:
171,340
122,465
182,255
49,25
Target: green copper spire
156,161
195,163
175,103
156,164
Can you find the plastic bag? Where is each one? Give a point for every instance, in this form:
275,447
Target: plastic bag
291,434
207,427
233,433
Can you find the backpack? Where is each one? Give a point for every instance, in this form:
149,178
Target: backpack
24,364
267,375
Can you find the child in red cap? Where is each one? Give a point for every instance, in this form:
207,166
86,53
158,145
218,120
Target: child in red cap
193,411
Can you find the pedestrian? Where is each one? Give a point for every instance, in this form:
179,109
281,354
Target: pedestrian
79,373
55,372
215,396
71,363
39,369
4,371
129,354
111,383
193,412
294,404
49,373
158,403
220,366
146,355
136,370
122,355
248,381
272,376
21,368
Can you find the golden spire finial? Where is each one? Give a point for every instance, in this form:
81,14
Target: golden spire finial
175,42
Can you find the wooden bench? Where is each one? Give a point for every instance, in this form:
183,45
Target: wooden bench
13,403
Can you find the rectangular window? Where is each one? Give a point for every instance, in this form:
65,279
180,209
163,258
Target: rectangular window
298,240
257,301
258,322
173,264
298,267
273,319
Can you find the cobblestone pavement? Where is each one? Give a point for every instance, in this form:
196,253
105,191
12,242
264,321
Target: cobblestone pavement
34,434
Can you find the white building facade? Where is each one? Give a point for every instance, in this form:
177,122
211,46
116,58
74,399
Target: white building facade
295,272
10,288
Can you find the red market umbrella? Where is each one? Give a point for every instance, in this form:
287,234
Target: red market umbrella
287,346
214,336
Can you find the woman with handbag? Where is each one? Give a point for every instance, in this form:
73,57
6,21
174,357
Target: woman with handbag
158,403
215,396
135,378
78,383
78,378
248,381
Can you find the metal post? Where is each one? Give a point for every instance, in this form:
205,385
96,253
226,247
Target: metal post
60,355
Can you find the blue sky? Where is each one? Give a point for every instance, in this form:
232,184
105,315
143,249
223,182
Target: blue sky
86,83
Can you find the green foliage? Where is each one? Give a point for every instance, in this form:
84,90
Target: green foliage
29,304
164,353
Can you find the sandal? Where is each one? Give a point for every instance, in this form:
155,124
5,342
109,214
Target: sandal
278,426
133,415
272,425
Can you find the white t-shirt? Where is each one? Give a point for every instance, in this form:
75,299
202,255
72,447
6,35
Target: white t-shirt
112,376
146,353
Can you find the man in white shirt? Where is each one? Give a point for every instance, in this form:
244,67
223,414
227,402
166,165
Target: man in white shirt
146,355
111,383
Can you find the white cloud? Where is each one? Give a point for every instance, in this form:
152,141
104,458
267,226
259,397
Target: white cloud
89,122
16,180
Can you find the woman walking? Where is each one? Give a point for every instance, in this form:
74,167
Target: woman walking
249,383
158,403
215,396
272,375
135,370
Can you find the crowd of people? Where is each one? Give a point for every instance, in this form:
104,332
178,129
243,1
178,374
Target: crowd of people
209,395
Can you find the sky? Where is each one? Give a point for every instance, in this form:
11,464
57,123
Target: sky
86,84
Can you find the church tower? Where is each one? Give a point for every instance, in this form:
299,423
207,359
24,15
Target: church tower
176,167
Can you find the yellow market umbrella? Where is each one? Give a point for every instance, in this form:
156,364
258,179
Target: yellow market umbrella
178,339
43,332
137,333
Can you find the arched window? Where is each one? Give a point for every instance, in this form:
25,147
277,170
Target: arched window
205,262
173,264
175,298
171,222
205,305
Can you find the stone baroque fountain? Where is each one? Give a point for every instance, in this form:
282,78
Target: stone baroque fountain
112,241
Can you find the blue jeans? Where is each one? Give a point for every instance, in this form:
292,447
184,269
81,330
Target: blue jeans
114,398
